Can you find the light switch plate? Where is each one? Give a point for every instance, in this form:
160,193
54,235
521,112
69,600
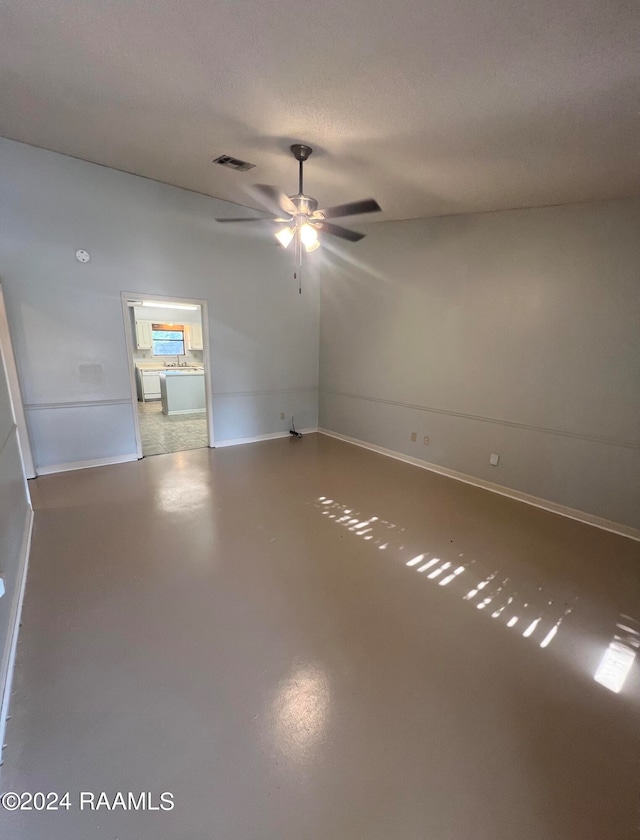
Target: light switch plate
493,460
2,589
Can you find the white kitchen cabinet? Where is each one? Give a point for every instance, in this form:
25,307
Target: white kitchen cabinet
150,384
144,338
194,337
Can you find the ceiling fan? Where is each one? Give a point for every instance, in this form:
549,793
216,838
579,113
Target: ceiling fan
298,217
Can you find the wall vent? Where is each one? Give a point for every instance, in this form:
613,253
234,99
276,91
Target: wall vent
234,163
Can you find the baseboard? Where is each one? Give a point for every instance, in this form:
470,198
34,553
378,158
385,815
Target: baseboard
83,465
238,441
6,679
552,507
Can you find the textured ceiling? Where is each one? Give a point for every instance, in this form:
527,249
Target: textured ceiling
437,107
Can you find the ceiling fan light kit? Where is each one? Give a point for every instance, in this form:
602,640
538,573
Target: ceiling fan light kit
300,215
285,236
309,235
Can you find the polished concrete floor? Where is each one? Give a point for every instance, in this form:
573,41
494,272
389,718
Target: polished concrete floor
162,433
304,639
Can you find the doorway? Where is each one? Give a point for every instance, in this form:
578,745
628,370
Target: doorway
168,350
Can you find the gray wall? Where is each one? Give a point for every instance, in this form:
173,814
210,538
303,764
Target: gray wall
513,332
14,515
67,322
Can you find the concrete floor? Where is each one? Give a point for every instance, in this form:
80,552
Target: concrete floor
214,624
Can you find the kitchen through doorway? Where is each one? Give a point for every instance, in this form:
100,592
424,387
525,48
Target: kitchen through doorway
169,373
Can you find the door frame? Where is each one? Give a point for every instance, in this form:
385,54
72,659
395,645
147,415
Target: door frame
206,355
15,394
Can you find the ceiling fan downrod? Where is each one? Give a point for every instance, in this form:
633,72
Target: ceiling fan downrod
300,153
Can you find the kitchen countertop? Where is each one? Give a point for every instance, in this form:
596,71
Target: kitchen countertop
183,372
155,367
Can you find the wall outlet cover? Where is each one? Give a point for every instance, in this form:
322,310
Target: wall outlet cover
493,460
426,440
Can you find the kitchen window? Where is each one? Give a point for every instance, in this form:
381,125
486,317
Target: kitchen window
167,340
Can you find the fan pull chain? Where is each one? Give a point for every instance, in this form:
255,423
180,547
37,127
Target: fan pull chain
298,254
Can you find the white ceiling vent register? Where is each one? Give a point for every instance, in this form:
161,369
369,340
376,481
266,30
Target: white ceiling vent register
233,163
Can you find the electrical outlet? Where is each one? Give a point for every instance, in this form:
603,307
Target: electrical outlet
493,460
282,415
426,440
414,437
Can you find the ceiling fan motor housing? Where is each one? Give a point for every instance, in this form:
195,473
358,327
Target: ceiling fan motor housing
305,205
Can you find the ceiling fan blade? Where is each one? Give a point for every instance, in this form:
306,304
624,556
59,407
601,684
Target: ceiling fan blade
353,208
273,199
336,230
252,219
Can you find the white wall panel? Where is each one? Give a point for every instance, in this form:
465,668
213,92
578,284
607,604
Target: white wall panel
250,414
513,332
75,434
150,239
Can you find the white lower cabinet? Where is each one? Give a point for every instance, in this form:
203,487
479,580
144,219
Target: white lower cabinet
150,385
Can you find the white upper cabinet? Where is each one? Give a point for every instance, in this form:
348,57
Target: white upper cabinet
194,337
144,339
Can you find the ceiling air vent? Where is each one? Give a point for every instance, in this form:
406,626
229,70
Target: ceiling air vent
234,163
